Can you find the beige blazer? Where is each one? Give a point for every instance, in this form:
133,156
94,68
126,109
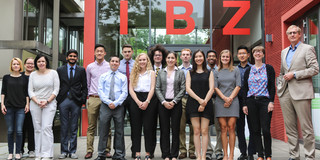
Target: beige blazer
304,63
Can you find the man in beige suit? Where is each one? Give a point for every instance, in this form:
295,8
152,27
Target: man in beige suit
295,91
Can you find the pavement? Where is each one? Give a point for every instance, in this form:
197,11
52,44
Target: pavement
279,150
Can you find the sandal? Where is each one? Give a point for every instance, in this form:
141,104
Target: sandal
137,158
147,157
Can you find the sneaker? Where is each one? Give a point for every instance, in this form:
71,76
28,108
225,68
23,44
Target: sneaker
31,154
37,158
63,156
73,156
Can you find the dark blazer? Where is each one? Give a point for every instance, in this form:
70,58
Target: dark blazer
179,85
77,89
271,83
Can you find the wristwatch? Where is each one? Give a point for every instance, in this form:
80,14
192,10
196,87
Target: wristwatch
294,74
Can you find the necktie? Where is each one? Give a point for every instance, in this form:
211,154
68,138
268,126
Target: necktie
111,93
128,72
157,71
71,74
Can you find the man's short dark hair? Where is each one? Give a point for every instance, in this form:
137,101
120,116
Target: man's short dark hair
72,51
211,50
37,58
114,57
243,47
99,45
127,46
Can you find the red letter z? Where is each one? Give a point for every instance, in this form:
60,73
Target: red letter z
229,28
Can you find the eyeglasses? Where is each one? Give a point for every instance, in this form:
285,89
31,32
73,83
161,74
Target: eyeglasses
72,56
29,63
158,55
289,33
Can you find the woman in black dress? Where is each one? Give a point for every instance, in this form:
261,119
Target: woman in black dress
200,87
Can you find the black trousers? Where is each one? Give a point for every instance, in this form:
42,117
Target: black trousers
260,118
241,136
28,130
146,119
170,118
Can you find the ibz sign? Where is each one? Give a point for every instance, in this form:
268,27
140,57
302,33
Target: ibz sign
229,28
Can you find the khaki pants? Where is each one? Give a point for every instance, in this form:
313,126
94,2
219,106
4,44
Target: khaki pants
182,136
93,114
292,110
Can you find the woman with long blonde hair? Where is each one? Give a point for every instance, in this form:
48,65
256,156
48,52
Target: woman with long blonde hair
143,109
227,85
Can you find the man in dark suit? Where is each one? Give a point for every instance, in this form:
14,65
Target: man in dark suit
72,95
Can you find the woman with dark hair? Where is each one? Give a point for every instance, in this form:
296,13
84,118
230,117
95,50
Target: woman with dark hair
259,91
200,87
15,103
170,89
143,109
28,126
227,85
43,88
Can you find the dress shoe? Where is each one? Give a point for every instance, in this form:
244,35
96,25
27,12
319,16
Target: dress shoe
250,157
63,156
291,159
192,156
269,158
88,155
100,158
242,157
182,155
260,158
108,155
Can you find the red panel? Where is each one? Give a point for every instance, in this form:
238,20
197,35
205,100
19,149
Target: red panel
88,48
89,32
123,17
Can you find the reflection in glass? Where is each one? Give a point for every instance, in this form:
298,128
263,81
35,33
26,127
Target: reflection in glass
313,30
31,20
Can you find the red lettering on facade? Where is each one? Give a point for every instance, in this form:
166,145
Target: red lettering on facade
229,28
186,16
123,17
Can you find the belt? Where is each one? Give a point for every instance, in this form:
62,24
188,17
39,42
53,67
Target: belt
259,97
186,96
95,96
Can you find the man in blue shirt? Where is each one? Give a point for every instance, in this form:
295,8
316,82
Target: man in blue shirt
243,56
185,66
112,90
72,95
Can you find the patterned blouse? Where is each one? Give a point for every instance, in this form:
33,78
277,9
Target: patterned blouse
258,82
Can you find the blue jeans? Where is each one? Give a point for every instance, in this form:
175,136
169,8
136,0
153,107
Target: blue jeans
14,118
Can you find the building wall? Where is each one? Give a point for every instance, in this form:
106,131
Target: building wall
10,29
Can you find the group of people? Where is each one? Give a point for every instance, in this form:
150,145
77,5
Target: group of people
205,89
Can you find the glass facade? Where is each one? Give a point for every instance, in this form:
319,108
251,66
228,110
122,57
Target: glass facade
142,32
31,20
